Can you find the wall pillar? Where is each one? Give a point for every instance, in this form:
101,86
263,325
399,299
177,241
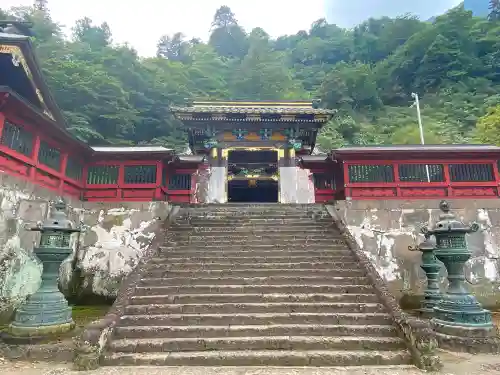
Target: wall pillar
217,183
287,176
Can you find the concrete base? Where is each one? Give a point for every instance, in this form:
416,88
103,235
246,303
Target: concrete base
477,339
425,313
18,335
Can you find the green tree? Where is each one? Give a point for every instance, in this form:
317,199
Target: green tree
488,127
227,37
41,5
172,47
109,94
262,74
351,86
96,37
494,10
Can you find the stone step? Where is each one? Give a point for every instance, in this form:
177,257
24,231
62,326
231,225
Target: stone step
339,272
254,298
169,260
256,253
261,358
227,238
257,231
265,330
260,319
252,289
228,208
257,221
251,216
250,242
269,280
253,308
240,205
151,345
262,213
332,245
161,264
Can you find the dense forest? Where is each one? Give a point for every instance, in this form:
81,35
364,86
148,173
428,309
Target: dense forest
109,94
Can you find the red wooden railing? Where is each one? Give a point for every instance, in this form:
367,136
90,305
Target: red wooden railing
25,163
450,178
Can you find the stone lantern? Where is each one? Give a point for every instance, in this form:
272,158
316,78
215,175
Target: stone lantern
458,313
431,267
46,312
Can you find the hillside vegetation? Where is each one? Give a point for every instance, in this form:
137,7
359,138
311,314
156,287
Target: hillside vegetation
111,95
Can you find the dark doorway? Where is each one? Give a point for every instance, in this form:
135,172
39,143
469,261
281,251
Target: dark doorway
264,191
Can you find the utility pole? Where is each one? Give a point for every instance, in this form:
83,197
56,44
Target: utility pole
416,103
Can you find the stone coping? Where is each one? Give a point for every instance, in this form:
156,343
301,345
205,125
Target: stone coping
418,334
90,345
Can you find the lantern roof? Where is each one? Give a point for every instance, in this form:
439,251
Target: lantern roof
58,220
448,223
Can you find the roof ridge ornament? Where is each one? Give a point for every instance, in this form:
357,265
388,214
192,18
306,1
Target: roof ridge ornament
16,27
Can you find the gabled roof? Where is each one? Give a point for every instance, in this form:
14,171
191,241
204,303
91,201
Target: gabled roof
22,51
253,108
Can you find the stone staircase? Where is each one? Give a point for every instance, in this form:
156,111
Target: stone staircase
255,285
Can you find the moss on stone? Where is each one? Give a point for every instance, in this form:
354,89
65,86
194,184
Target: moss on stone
410,301
82,315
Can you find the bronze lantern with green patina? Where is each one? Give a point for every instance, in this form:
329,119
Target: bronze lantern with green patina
47,312
458,309
431,267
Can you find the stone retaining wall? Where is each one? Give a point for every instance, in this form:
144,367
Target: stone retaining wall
116,237
385,229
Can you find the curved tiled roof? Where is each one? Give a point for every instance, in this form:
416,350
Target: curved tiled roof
254,110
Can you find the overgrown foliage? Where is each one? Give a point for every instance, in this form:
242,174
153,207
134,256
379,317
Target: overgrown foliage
111,95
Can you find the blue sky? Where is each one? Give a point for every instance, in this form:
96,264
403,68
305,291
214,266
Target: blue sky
351,12
141,26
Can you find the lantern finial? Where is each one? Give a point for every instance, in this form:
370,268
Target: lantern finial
444,206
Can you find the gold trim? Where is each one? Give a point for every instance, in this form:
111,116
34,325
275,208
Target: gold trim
252,148
294,104
17,54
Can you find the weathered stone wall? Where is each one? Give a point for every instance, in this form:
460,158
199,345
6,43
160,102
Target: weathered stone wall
385,229
117,235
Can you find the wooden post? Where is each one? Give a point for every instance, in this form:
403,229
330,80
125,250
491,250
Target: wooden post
64,164
2,123
121,180
397,180
446,172
159,179
34,156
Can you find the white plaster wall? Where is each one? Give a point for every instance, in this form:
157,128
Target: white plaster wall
384,230
217,185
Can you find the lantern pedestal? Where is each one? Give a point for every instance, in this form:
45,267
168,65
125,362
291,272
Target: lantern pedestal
460,323
458,308
431,267
46,313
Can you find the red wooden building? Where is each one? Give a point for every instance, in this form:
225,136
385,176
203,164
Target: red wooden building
251,145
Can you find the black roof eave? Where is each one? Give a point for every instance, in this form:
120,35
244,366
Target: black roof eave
24,42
